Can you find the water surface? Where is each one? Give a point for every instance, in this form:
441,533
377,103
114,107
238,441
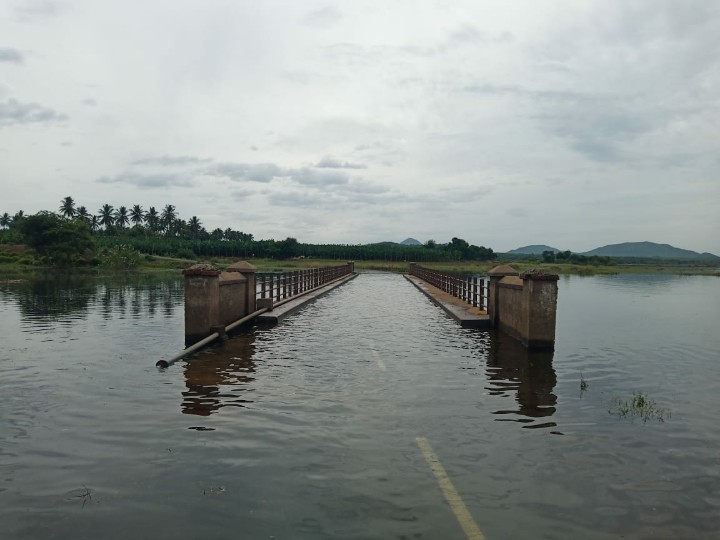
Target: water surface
308,429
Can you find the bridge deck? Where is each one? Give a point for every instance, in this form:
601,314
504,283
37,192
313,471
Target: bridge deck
467,315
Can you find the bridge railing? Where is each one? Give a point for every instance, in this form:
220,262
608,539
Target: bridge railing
470,289
283,285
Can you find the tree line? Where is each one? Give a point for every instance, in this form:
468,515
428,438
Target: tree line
72,234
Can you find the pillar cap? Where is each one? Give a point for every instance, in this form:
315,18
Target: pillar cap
538,274
503,270
202,269
241,266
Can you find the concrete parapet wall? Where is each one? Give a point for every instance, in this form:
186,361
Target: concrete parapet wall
215,299
233,297
524,306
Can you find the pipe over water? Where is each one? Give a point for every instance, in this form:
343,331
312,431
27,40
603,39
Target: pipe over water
212,337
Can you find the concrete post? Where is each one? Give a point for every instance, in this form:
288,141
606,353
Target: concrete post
351,265
202,301
496,274
540,300
249,271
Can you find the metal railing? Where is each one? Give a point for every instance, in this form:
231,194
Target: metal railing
282,285
470,289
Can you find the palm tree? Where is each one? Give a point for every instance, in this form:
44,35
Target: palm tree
5,220
67,207
137,215
18,217
194,226
121,217
83,214
106,216
167,217
94,223
152,219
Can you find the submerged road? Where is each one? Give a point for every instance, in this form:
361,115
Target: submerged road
366,415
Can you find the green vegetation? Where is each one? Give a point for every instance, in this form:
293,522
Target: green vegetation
73,236
158,239
62,242
121,257
638,406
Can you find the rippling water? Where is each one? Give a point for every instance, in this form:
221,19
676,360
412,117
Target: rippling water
308,429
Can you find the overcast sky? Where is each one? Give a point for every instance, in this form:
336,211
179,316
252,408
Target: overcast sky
506,123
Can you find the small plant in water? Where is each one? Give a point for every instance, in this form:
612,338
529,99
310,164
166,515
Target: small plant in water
583,383
84,493
639,406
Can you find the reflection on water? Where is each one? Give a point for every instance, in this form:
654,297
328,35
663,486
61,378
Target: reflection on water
220,377
529,374
66,298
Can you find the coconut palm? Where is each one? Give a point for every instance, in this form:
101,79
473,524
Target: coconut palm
121,217
137,215
83,214
67,207
168,216
5,220
194,226
152,219
94,223
106,216
18,217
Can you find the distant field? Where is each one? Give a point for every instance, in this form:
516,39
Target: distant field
21,262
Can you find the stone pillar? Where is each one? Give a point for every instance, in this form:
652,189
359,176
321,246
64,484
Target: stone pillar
202,301
351,265
412,268
249,271
540,300
496,274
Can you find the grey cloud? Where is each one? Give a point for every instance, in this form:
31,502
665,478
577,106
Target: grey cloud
312,177
90,102
238,172
333,163
298,199
147,180
360,186
323,17
599,132
171,160
514,90
8,54
32,9
14,112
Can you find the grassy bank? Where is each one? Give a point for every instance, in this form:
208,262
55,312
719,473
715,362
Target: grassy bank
27,266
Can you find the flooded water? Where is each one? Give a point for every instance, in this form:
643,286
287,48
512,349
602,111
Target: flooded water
309,429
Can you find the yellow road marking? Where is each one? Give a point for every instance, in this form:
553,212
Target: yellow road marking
472,531
379,361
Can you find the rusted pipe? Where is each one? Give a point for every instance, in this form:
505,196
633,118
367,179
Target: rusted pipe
212,337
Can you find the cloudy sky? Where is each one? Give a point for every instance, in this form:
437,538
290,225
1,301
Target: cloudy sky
574,124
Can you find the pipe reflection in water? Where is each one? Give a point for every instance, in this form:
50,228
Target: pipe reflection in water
220,376
529,374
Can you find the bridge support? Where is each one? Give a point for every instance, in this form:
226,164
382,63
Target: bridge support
524,305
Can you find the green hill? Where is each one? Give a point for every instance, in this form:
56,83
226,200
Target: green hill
410,242
651,250
532,250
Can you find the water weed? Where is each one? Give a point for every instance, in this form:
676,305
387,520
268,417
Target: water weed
638,406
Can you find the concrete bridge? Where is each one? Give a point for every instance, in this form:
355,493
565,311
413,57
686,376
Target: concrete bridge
217,302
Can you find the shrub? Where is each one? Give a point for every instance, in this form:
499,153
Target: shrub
120,257
185,253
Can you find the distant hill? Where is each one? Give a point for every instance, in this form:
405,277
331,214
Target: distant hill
410,242
651,250
532,250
